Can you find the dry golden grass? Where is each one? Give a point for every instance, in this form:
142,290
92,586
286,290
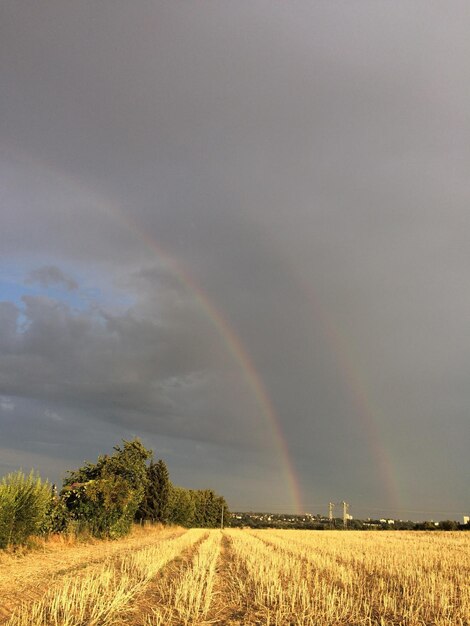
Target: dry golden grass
25,575
99,595
355,578
185,599
282,578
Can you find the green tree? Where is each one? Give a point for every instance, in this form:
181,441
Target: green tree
155,504
181,506
208,509
449,524
103,497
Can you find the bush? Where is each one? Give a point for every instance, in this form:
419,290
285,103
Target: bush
24,504
57,518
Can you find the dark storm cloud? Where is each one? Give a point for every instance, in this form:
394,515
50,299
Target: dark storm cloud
119,367
306,167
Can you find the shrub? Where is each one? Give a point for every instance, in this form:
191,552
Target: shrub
57,518
24,503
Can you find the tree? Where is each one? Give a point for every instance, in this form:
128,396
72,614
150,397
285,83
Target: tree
208,509
155,504
103,497
181,506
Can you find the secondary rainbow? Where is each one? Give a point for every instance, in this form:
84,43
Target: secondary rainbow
365,409
366,412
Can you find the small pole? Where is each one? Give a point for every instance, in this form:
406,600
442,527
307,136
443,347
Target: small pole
345,513
222,519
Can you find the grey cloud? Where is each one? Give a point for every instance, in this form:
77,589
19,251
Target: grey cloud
294,175
149,371
51,275
8,320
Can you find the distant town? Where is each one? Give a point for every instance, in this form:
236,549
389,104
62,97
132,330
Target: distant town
319,522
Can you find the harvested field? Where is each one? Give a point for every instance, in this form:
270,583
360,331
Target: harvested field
244,577
25,577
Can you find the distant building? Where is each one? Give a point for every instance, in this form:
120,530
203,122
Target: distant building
466,519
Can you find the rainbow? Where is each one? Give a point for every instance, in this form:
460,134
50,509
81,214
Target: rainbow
233,344
366,412
361,399
338,346
226,332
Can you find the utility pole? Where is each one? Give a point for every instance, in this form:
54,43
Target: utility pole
222,519
345,513
331,506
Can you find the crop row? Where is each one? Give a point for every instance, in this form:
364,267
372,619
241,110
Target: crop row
269,577
322,579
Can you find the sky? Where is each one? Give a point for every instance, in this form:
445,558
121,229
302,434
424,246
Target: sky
240,231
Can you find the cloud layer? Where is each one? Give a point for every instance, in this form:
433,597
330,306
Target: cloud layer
288,178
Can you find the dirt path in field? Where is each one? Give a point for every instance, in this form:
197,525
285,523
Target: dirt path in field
25,578
154,595
227,606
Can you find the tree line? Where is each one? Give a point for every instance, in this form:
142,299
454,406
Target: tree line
104,499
